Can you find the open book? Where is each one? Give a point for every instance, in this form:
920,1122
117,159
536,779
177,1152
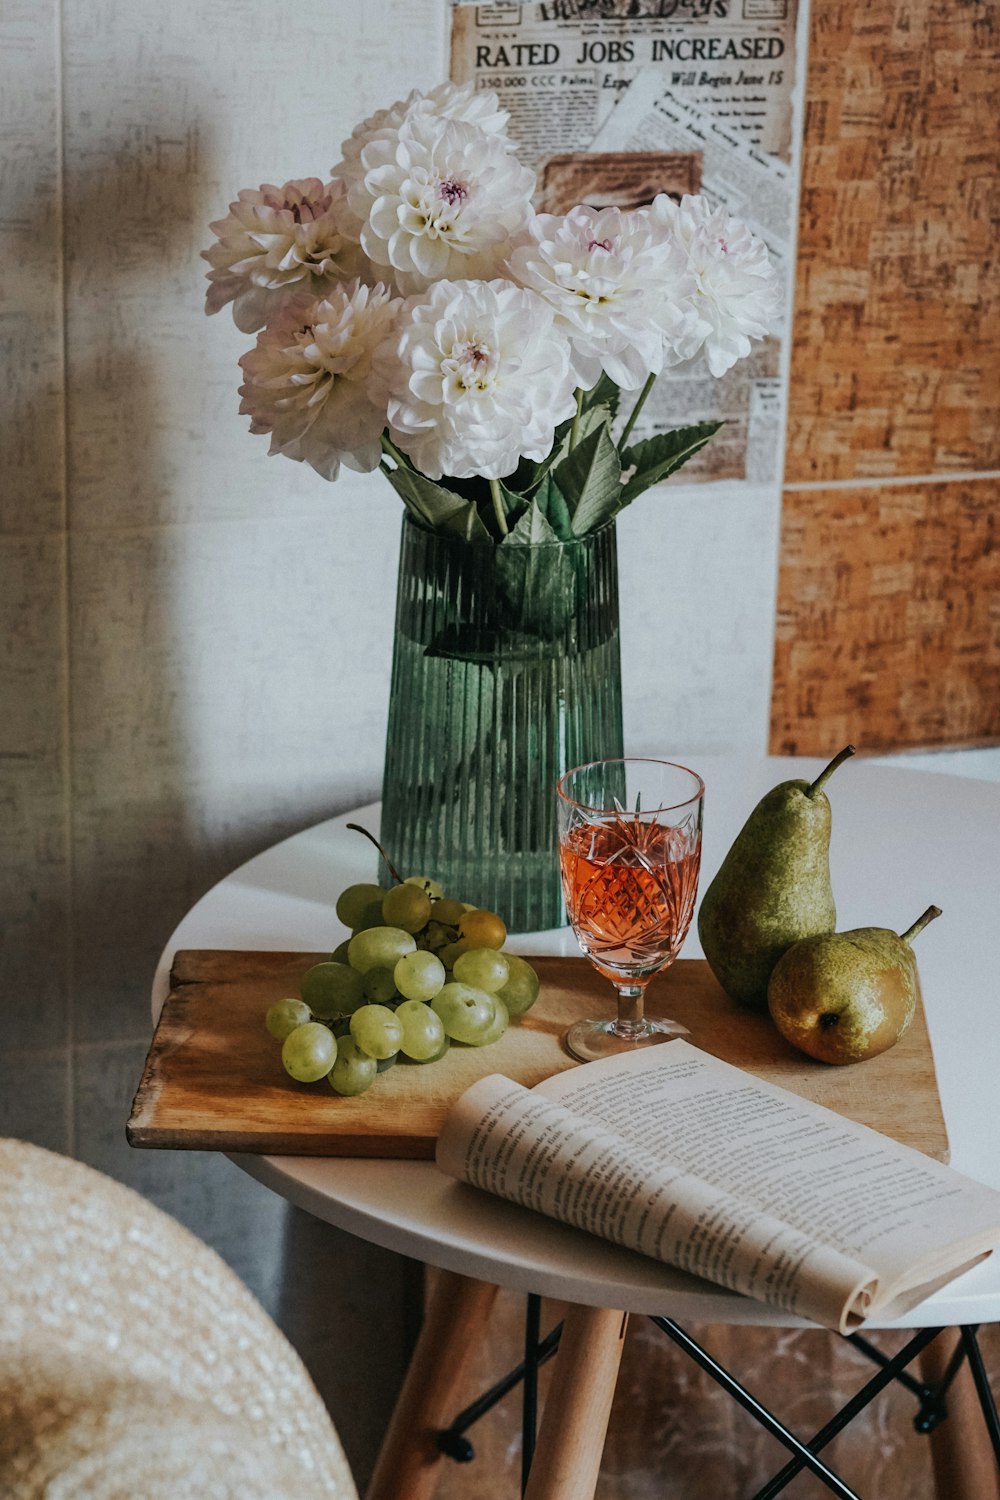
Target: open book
687,1159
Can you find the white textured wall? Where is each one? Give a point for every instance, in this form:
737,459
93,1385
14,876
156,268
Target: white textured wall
193,640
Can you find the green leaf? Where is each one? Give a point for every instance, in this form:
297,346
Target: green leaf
529,476
604,393
437,508
515,506
590,479
531,530
537,579
465,521
552,503
658,457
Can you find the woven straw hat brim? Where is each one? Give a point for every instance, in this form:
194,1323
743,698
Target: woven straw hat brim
134,1362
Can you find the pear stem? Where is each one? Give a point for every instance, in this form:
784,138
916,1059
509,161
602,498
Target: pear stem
357,828
920,923
824,775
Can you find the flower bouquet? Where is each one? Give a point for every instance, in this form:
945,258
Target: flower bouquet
413,314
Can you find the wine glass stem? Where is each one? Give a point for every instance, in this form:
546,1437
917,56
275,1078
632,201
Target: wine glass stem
631,1021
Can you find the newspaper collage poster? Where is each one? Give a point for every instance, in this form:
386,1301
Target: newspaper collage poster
614,101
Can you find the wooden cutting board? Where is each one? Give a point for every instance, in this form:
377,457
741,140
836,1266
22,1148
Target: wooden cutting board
213,1079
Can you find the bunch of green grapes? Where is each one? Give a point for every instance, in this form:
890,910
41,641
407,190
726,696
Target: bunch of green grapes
418,972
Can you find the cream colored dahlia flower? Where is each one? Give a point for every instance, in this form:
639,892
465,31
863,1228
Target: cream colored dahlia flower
478,377
438,199
619,286
738,292
309,381
276,243
448,101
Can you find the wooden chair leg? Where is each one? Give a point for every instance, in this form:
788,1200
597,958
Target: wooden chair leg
578,1405
454,1324
964,1465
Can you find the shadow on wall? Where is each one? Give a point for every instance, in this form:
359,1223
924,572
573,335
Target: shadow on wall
147,835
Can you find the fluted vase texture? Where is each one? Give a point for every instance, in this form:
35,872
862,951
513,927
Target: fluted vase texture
506,672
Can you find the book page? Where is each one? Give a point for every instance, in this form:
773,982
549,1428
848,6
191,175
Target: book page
864,1195
530,1149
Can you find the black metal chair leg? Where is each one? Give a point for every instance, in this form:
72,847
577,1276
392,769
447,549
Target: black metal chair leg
529,1408
451,1440
970,1343
850,1410
804,1458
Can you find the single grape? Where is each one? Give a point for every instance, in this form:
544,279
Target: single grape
419,976
441,1050
379,948
484,968
332,989
423,1030
482,929
309,1052
351,902
406,906
451,952
501,1020
467,1013
339,954
376,1030
370,917
284,1015
379,986
447,912
354,1071
521,990
385,1063
431,888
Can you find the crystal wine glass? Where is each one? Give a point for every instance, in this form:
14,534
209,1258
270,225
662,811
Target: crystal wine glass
629,852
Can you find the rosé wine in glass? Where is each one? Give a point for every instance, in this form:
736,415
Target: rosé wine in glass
630,852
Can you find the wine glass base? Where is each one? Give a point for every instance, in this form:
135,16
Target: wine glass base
592,1040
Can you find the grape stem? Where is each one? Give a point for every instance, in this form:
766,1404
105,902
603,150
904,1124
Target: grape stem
357,828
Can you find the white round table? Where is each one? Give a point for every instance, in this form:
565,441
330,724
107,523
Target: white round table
902,840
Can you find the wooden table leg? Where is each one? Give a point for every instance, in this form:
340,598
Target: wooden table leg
964,1466
455,1322
578,1405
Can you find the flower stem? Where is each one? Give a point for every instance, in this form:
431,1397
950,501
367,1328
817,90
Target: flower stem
574,432
501,514
388,446
637,408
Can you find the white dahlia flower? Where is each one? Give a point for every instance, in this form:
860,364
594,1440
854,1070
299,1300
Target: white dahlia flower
620,289
309,382
738,296
478,378
449,101
277,242
438,199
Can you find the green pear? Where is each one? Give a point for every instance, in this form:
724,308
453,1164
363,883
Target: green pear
848,995
772,888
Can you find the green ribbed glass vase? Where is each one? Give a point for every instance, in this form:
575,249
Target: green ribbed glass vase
506,672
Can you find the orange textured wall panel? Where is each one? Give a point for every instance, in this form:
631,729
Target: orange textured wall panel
895,365
888,624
